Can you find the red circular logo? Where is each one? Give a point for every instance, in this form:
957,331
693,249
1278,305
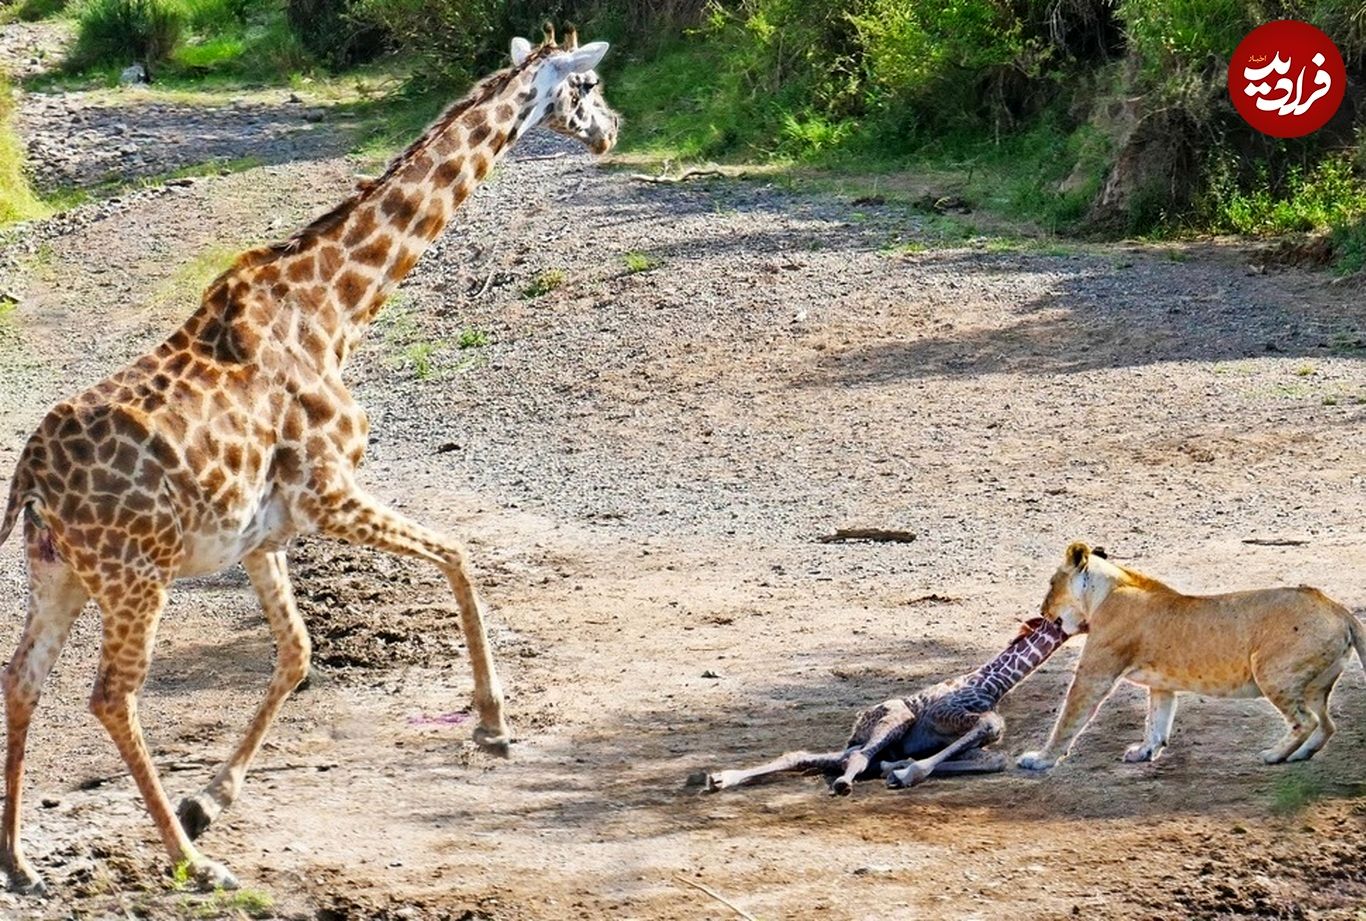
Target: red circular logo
1287,78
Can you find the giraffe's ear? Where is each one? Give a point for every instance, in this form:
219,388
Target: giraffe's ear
581,60
521,48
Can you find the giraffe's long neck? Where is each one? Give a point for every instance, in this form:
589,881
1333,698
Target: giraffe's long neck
341,268
1036,642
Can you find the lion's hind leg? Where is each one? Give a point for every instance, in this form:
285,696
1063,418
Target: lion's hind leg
1301,722
1316,701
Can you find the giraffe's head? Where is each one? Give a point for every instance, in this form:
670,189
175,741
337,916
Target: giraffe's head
569,90
1082,582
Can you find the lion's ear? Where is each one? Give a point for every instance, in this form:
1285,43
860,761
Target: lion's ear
1077,555
1100,552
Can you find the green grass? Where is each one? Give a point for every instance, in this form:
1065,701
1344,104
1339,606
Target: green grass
421,357
1293,792
472,338
34,10
18,201
638,262
544,283
9,311
183,288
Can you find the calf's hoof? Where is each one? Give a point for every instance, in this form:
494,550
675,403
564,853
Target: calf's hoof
196,813
841,787
718,781
909,776
496,742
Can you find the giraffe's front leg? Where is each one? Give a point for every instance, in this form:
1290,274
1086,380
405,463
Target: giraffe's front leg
985,730
350,514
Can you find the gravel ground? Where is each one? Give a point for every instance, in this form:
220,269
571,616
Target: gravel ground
641,462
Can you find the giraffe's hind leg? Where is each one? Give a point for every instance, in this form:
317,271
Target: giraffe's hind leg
269,576
796,762
55,599
131,612
894,721
974,761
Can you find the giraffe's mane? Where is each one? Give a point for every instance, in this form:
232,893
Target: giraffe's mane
479,94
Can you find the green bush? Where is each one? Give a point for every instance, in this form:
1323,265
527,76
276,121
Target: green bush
335,31
1328,196
34,10
118,32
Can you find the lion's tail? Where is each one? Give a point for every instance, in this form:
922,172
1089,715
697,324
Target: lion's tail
1358,631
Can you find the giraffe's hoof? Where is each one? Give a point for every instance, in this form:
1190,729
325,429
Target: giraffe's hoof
908,776
196,813
23,881
1272,756
841,787
493,742
211,875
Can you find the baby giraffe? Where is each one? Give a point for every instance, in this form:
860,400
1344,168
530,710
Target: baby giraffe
942,729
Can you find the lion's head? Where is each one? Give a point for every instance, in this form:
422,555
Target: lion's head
1080,584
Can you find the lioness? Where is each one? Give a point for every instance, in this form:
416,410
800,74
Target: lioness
1287,644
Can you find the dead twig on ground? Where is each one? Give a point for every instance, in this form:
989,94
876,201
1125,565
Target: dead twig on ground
681,177
1275,541
716,895
883,535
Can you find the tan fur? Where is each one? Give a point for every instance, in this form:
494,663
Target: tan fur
1286,644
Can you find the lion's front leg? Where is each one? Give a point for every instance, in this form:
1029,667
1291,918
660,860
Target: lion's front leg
1092,683
1161,713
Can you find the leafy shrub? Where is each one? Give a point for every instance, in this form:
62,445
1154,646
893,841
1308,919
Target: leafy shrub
335,31
34,10
122,31
1328,196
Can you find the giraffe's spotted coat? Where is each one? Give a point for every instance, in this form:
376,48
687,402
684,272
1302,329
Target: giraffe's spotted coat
238,432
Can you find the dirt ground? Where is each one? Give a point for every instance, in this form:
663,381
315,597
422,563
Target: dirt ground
641,463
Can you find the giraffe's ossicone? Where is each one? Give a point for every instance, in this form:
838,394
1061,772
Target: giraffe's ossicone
238,432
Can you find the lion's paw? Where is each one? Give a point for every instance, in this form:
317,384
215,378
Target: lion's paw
1036,761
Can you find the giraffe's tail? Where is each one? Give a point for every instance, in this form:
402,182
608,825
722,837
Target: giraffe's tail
20,495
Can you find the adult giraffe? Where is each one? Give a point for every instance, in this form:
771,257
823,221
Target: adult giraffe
238,432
